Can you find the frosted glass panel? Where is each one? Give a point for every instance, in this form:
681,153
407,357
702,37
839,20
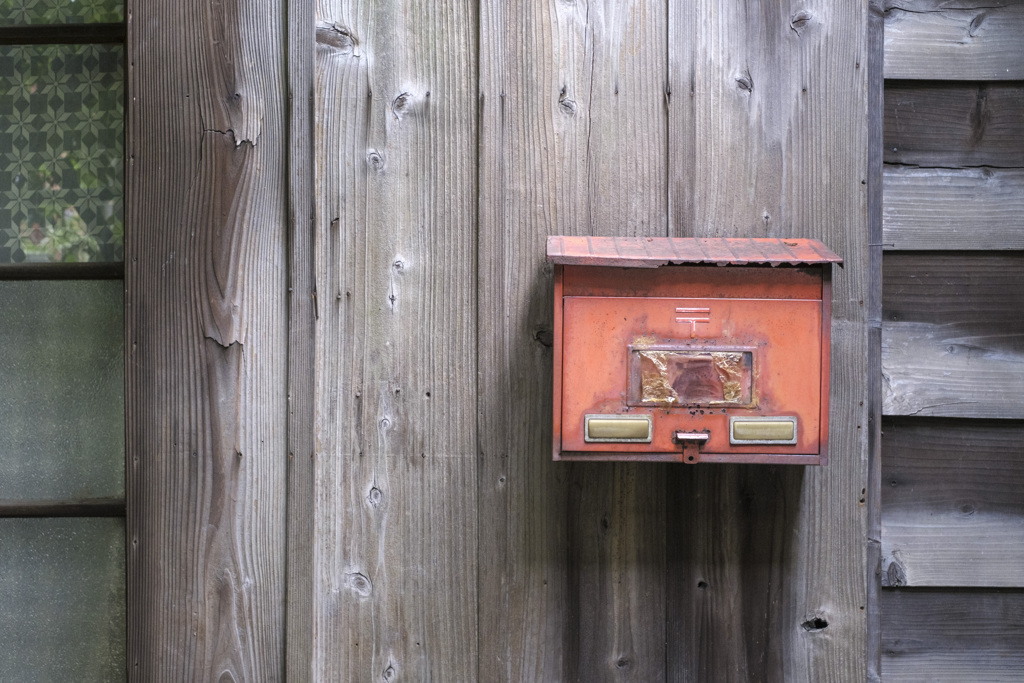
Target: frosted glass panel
61,390
16,12
62,591
61,153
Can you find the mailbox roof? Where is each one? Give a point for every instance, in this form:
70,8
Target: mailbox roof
651,252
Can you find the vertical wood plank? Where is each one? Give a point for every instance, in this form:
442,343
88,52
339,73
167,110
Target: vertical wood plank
573,141
206,327
876,193
776,97
395,520
301,492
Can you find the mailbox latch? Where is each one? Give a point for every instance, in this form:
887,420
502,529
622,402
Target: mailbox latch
691,443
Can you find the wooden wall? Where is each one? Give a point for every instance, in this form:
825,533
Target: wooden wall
340,332
206,342
952,513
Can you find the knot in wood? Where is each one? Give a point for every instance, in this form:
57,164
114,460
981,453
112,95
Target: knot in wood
895,575
565,105
376,160
815,624
375,496
745,82
401,105
800,20
336,37
359,584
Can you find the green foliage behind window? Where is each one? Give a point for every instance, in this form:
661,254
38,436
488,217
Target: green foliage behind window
61,153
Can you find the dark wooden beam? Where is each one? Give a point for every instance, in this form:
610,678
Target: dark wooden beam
62,34
100,507
62,271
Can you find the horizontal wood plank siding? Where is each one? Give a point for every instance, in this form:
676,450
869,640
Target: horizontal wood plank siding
952,514
954,125
971,40
953,334
948,636
951,501
953,208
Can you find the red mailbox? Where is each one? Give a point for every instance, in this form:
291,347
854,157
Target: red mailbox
691,350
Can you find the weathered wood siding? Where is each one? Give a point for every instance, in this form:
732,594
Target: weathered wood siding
952,522
952,637
395,513
951,502
375,206
768,122
573,141
207,341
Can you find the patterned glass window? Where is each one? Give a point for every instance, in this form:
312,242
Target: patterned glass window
20,12
61,168
62,494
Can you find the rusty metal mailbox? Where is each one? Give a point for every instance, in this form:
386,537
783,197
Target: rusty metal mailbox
691,350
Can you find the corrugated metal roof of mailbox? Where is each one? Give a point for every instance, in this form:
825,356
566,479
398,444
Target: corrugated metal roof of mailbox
651,252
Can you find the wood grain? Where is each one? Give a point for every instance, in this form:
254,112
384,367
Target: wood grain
953,336
875,204
395,528
573,141
769,131
977,40
954,124
206,337
980,290
953,208
953,512
732,560
952,636
940,370
301,511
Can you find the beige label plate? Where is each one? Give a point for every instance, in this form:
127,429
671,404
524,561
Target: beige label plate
617,429
779,430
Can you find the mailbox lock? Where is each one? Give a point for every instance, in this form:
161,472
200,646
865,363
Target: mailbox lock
691,442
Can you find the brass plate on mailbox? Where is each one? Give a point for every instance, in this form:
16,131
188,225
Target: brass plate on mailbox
762,430
617,429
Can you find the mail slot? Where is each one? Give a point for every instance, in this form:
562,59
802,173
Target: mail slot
691,350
